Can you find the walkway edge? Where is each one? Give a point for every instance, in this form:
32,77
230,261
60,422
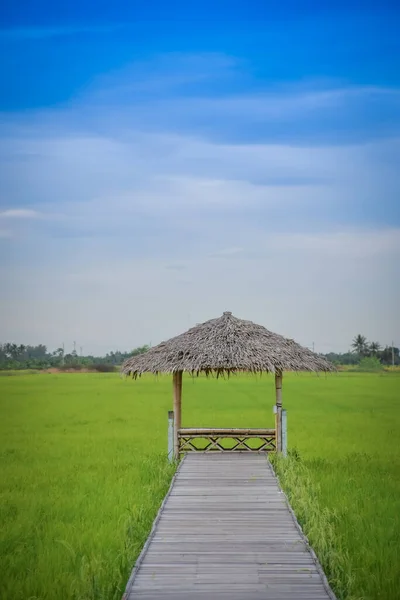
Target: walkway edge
320,570
151,535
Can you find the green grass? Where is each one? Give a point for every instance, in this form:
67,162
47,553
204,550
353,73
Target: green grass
82,474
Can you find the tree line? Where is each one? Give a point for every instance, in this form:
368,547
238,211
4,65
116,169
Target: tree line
362,349
21,356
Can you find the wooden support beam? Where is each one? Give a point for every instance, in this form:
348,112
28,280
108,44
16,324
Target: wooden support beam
284,432
278,415
170,435
231,432
177,389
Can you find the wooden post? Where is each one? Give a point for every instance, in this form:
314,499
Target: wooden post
284,432
177,386
170,435
278,416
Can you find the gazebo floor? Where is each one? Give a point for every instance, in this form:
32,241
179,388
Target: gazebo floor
225,531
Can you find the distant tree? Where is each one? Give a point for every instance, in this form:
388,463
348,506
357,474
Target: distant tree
71,359
387,354
14,356
8,350
360,345
37,352
13,351
370,363
59,353
349,358
140,350
374,348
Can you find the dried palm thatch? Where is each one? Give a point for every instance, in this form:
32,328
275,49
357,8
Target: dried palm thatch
226,345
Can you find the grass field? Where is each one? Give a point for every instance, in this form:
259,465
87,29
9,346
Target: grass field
82,474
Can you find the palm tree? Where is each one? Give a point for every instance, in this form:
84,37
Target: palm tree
360,345
374,348
140,350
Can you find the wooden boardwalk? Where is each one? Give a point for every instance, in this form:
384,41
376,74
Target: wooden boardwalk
226,532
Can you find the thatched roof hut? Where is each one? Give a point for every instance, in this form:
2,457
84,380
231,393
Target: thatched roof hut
226,345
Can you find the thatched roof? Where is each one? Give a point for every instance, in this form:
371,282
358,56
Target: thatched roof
225,345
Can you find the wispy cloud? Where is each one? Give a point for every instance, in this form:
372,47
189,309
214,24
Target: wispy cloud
155,181
213,96
95,180
166,74
19,213
36,33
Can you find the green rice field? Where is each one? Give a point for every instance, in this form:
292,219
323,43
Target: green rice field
83,472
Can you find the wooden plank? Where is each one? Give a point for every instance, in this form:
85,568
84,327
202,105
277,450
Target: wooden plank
199,431
225,530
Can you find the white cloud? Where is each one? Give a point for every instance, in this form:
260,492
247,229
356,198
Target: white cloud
99,176
294,114
214,96
19,213
240,97
137,227
270,107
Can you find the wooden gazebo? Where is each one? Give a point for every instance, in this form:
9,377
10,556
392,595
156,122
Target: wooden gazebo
222,346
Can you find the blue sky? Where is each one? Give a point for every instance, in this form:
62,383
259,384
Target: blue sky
161,164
